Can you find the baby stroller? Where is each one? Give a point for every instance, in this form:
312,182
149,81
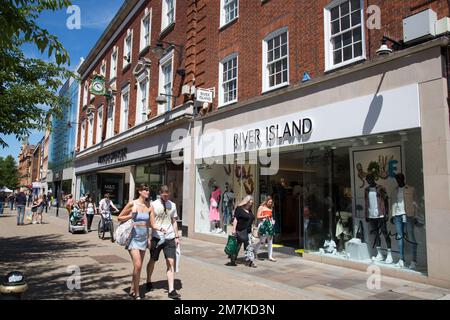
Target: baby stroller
77,221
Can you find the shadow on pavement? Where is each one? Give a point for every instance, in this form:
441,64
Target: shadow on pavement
37,256
157,285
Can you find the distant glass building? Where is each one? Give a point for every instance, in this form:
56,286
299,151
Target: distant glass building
62,142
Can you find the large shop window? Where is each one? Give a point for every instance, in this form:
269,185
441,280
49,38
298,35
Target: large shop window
323,202
219,187
344,215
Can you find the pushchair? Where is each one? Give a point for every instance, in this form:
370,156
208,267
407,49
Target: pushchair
77,220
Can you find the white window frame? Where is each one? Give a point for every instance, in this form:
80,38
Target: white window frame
110,124
143,45
128,51
124,109
221,83
85,94
265,71
103,69
90,130
99,124
142,107
168,58
223,13
114,62
329,60
83,135
164,21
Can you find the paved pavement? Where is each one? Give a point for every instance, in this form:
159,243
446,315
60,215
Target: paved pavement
45,253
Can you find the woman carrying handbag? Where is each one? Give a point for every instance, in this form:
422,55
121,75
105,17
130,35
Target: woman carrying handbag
139,211
242,228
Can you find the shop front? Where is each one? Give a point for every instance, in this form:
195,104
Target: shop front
146,154
335,163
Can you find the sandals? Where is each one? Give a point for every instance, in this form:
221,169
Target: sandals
134,296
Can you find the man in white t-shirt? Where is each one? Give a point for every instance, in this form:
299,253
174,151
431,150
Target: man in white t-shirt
105,206
163,216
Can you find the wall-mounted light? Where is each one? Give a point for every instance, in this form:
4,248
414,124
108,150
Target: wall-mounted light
160,50
385,50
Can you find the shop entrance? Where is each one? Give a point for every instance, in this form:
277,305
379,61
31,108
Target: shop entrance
286,189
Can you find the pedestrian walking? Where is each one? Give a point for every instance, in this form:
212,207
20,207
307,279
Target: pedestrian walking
139,211
49,200
45,203
40,210
2,201
69,204
163,218
91,210
242,228
34,207
20,202
30,199
11,199
265,227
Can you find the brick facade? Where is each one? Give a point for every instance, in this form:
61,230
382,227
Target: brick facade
197,28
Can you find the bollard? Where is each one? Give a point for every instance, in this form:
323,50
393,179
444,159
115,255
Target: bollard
13,286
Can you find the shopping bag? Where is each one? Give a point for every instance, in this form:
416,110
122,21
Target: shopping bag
231,247
123,233
178,258
266,228
29,216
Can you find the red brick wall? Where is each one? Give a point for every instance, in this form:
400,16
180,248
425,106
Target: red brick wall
176,34
197,28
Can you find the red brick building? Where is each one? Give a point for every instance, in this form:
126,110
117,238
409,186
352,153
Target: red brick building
25,165
326,93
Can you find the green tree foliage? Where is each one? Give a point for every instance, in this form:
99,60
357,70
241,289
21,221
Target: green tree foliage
28,87
9,174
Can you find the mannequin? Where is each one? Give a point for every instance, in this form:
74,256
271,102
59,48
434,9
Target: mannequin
214,215
228,200
403,217
377,205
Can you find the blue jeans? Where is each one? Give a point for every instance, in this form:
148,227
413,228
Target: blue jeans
1,207
11,205
227,211
405,232
20,213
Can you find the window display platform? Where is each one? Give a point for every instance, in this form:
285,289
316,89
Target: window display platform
389,270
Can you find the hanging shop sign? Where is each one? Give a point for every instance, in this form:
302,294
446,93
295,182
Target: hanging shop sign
113,157
204,95
98,87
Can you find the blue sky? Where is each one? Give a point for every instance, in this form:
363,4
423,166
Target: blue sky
95,17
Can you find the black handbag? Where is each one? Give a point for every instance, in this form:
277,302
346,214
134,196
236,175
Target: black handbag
242,235
360,231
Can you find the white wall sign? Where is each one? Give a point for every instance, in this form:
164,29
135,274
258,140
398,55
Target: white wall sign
385,111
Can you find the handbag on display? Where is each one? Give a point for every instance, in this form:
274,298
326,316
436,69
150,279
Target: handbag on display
360,231
231,247
123,232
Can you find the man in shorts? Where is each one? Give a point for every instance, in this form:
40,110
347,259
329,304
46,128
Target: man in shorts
164,238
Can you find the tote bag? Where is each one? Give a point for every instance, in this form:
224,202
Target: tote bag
123,233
